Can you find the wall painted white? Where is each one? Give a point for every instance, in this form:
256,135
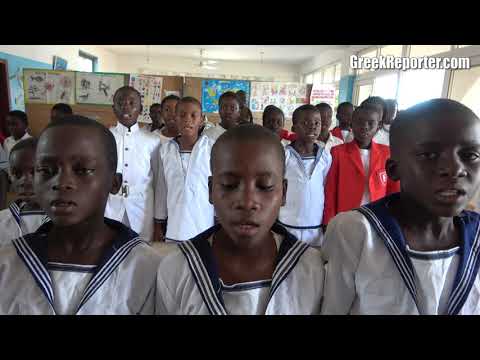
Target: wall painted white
171,65
107,61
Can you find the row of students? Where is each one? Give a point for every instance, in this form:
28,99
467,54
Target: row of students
413,252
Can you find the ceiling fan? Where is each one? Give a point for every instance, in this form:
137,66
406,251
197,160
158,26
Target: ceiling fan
206,64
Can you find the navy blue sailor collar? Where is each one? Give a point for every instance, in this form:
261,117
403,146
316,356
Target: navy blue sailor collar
204,268
33,250
389,230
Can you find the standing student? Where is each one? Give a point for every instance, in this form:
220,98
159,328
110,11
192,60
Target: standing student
167,108
274,120
246,264
59,111
79,262
24,215
137,162
17,124
155,113
182,209
3,177
229,111
307,166
344,116
246,115
326,139
358,174
417,251
383,134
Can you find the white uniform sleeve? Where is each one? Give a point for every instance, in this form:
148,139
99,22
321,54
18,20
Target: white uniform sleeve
155,154
161,212
342,249
3,159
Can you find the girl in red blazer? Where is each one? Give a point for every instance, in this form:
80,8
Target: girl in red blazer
357,175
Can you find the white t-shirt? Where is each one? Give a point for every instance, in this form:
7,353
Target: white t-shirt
434,275
249,298
365,156
69,283
331,142
383,135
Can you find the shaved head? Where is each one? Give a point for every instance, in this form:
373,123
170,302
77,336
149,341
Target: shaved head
247,133
403,129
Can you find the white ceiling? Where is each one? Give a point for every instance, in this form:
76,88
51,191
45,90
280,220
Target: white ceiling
276,54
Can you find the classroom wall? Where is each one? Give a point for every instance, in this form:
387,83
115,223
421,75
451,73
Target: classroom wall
107,61
170,65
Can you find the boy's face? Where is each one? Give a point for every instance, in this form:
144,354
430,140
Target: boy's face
22,169
344,117
72,176
274,121
189,119
247,188
229,112
326,116
16,127
127,107
439,164
308,125
168,113
364,126
391,114
242,98
155,115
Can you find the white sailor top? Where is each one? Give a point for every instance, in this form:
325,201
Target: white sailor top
305,193
214,132
189,284
182,193
370,269
15,222
124,282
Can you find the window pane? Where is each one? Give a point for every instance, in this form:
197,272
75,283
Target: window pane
309,79
428,50
338,72
466,88
317,77
364,91
393,50
462,46
419,85
328,75
386,86
369,53
84,64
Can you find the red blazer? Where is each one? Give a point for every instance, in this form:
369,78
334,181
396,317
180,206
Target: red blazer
336,131
346,179
287,135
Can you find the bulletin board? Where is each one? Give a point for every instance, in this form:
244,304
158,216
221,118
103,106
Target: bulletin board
285,95
98,88
49,86
150,88
213,88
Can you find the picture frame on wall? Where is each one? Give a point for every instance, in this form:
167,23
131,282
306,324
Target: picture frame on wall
59,63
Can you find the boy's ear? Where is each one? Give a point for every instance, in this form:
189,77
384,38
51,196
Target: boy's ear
210,200
391,167
116,183
284,195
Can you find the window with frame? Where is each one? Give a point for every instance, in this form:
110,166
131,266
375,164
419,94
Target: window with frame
428,50
393,50
465,87
370,53
87,62
419,85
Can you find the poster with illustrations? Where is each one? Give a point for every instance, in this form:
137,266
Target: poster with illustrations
49,87
150,88
212,89
323,93
97,88
286,96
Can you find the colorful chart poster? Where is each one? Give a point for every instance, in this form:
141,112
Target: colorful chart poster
212,89
49,87
97,88
150,88
286,96
323,93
